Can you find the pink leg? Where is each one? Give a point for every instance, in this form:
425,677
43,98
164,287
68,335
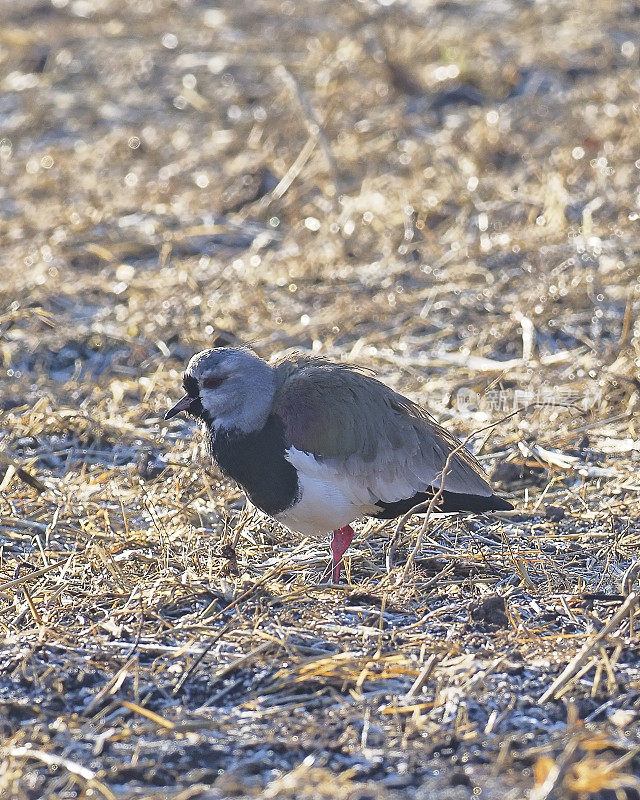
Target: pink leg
340,540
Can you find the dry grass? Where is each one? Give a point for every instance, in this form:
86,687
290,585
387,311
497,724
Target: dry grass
444,193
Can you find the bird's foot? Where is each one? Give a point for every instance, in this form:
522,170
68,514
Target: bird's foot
340,540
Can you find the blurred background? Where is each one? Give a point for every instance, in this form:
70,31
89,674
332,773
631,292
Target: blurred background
445,192
400,184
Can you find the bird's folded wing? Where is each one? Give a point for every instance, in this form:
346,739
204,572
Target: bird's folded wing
359,431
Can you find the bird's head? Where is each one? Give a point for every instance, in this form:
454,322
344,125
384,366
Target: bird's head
227,387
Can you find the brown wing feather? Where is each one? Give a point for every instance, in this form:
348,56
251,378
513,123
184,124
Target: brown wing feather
350,420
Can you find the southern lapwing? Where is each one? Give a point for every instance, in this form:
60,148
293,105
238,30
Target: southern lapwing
315,445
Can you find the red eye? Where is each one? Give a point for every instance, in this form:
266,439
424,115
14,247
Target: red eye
212,383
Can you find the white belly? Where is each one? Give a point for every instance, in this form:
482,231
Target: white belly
321,508
326,502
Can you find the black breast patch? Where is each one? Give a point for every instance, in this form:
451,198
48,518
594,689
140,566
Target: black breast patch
256,461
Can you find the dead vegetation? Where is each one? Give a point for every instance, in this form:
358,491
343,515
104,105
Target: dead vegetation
443,192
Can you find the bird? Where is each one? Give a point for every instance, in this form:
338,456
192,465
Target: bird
316,444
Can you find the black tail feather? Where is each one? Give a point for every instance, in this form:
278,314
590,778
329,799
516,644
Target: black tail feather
447,502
